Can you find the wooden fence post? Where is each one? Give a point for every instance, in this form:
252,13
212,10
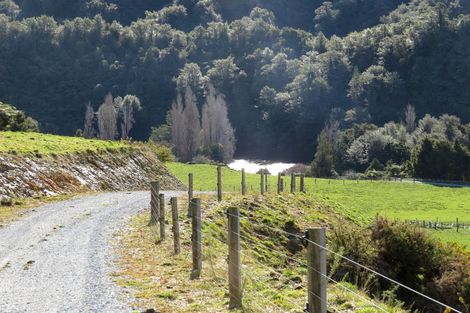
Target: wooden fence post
266,182
196,238
190,192
261,183
282,185
457,222
162,216
219,183
279,183
302,182
243,182
292,183
317,279
234,273
154,192
176,224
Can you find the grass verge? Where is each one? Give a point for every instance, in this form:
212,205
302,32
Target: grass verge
272,282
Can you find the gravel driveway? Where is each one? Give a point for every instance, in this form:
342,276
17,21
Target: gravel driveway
58,258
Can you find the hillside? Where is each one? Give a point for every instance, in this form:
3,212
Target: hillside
34,165
285,67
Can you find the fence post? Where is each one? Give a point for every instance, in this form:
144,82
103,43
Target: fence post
234,274
154,192
302,182
190,192
457,222
292,183
176,225
317,279
266,182
219,183
279,183
243,182
162,216
196,238
261,183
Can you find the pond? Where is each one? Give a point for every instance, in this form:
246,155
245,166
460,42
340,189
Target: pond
254,166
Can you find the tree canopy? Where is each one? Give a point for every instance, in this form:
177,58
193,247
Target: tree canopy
286,68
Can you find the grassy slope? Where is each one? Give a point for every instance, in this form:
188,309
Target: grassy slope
363,199
28,142
271,283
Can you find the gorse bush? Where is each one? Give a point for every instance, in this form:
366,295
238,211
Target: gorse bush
406,254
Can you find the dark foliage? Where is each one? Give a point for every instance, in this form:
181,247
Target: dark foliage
282,77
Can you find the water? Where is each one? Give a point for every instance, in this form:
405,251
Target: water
253,167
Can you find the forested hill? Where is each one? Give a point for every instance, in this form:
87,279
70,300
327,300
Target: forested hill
286,67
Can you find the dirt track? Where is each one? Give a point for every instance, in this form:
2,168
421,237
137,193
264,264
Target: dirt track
58,258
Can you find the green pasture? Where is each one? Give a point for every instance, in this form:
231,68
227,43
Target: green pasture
396,200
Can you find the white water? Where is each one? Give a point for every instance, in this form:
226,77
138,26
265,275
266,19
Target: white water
253,167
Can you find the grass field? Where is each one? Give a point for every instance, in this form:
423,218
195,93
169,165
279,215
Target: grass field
28,142
361,199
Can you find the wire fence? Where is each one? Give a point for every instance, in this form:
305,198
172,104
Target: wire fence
246,244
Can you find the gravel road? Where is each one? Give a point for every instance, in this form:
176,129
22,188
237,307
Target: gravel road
58,258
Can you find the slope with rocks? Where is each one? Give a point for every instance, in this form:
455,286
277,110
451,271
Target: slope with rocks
34,165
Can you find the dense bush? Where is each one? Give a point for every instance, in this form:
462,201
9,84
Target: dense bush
440,159
409,255
436,148
406,254
163,153
15,120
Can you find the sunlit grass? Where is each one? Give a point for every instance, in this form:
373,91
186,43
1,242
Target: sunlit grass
29,142
161,280
359,199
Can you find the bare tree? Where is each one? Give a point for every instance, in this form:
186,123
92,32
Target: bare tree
185,125
107,119
216,127
127,106
89,125
178,129
192,123
410,118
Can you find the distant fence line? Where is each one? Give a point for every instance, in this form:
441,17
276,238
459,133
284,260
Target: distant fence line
439,225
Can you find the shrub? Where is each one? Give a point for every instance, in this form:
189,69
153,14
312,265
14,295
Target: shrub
409,255
201,159
350,174
214,152
163,153
15,120
298,168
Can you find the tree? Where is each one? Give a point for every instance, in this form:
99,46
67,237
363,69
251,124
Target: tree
322,165
127,108
185,125
178,129
89,125
216,127
192,123
107,119
410,118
